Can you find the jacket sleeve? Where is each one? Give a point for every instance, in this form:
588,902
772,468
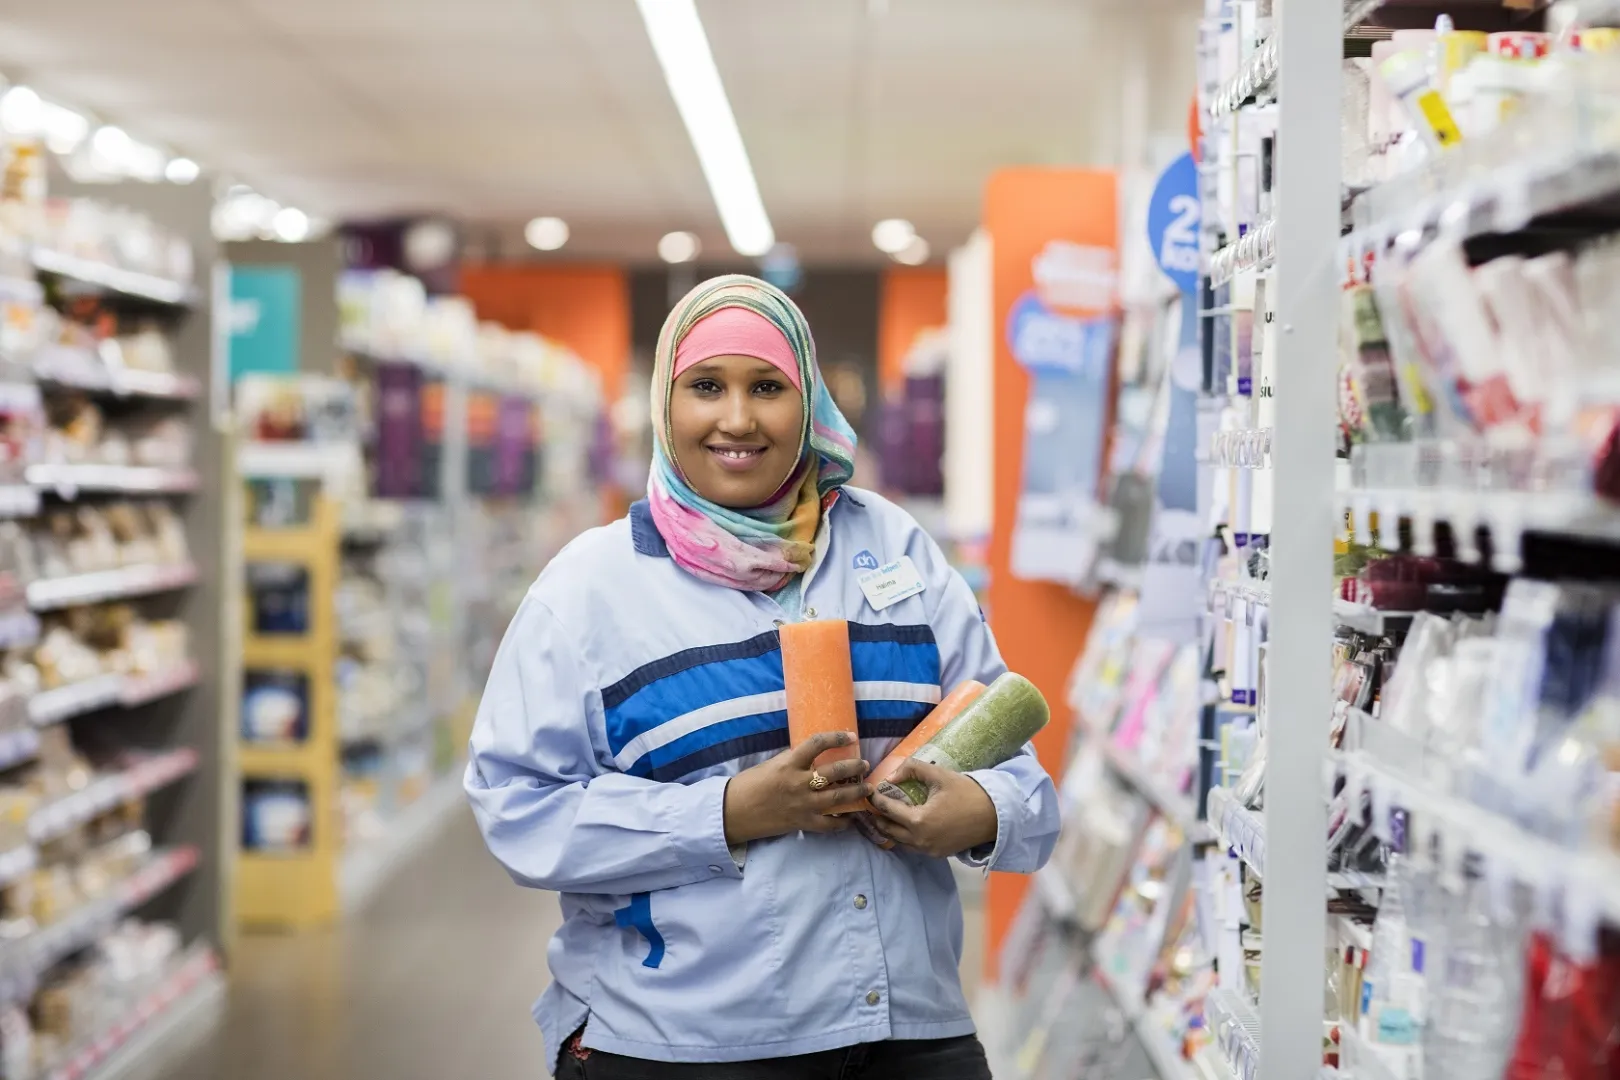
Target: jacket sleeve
550,813
1027,816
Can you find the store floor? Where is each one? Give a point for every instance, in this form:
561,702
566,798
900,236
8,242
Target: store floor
432,983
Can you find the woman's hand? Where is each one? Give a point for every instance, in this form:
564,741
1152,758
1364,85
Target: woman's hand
957,817
775,798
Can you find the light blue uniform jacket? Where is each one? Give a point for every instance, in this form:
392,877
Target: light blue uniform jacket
625,694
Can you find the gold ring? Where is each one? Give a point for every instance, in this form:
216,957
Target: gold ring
818,782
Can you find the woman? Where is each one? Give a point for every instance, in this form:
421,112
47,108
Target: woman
631,751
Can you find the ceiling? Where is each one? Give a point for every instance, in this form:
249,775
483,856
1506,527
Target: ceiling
494,111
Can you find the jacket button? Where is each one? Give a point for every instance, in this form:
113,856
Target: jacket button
715,870
860,903
810,613
873,997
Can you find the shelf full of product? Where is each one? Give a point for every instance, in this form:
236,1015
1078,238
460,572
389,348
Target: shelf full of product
98,672
1403,857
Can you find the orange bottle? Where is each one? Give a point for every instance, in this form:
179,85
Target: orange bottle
821,688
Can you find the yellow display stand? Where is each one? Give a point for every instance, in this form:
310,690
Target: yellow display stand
301,889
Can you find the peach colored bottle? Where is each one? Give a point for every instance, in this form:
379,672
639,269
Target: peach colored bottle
820,688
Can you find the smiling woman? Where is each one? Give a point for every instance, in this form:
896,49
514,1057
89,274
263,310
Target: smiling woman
633,748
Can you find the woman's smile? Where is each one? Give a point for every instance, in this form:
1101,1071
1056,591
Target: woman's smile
737,458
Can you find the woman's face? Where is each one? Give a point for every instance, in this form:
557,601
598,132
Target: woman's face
734,421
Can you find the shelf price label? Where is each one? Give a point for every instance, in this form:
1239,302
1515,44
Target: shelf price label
1174,217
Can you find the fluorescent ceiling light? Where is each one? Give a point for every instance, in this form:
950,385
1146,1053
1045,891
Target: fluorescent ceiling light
21,111
694,82
546,233
182,171
891,235
913,254
290,225
678,247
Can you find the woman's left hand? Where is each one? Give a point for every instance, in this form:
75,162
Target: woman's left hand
957,817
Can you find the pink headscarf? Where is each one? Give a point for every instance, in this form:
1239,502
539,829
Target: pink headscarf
736,331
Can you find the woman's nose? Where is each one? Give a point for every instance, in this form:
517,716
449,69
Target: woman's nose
738,418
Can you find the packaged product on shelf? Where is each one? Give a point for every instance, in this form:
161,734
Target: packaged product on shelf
276,816
275,706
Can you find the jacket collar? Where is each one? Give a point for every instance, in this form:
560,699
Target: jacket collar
649,541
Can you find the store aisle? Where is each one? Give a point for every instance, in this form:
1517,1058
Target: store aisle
432,983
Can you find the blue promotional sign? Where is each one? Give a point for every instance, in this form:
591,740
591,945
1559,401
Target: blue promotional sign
1065,422
1173,223
264,320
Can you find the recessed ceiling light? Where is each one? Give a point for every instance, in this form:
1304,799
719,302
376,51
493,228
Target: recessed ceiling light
21,111
290,225
678,247
181,171
913,254
546,233
891,235
64,128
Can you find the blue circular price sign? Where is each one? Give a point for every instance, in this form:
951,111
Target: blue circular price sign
1173,220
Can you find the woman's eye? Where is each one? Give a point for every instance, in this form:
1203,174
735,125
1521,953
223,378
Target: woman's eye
768,387
706,386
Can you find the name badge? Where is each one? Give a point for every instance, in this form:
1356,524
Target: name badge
891,583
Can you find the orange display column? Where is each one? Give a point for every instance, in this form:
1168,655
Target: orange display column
912,300
586,308
1054,232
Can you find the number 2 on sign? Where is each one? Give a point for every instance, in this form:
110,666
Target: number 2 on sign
1179,249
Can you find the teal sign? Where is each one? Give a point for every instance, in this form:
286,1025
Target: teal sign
264,320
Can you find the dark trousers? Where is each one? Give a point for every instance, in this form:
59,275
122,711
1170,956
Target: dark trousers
923,1059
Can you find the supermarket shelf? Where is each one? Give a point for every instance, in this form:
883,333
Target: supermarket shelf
1235,1029
68,480
1254,77
83,369
104,691
1177,808
1358,1061
1238,828
1365,619
296,460
367,868
130,283
17,747
1055,893
1589,879
18,501
25,959
51,594
1503,198
143,689
1244,832
1254,250
1351,934
19,628
75,699
153,1035
1222,593
21,290
1169,1064
17,864
146,775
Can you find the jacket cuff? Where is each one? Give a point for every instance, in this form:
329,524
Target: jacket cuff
706,828
1008,799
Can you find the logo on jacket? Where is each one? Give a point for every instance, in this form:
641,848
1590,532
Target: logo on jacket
866,561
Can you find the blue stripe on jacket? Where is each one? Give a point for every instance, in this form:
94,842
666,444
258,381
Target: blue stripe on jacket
684,682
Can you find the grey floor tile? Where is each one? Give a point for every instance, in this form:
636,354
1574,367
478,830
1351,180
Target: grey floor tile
433,982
